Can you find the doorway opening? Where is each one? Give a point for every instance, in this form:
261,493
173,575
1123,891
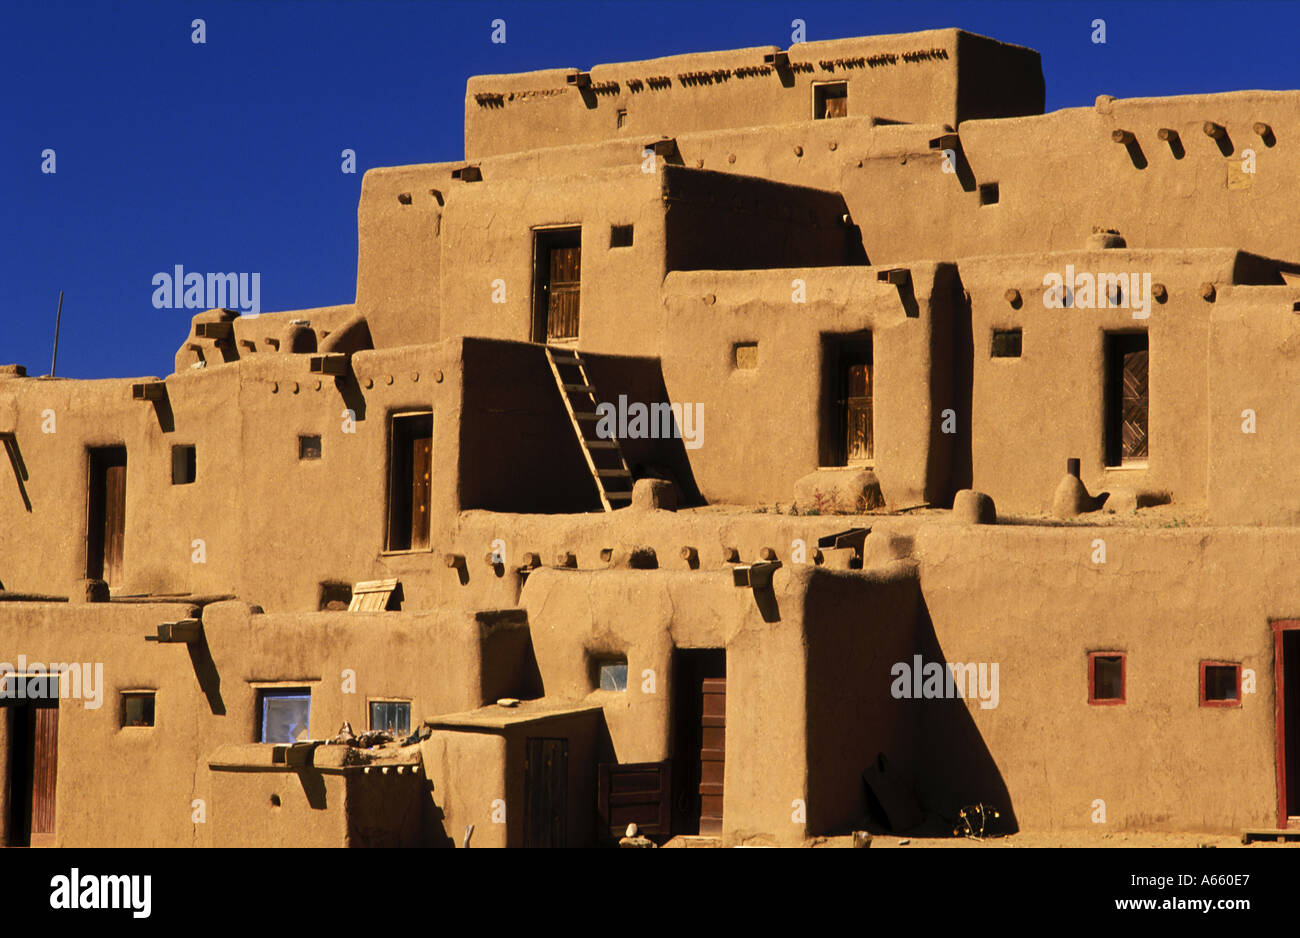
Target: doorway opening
557,283
699,728
32,721
1286,682
848,435
106,514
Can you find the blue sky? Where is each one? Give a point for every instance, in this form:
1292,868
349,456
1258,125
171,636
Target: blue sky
225,156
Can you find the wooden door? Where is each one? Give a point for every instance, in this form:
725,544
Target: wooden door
421,470
713,733
637,793
33,766
106,514
563,286
1286,718
45,739
1135,405
860,442
546,792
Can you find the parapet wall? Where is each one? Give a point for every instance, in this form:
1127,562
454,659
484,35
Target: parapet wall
937,76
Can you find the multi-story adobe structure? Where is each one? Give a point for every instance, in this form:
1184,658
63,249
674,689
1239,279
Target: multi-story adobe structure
850,267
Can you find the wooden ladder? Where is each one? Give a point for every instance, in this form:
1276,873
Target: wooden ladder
604,457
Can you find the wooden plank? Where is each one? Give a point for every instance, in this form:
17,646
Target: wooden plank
712,753
44,772
546,787
114,521
636,793
1136,405
563,292
421,470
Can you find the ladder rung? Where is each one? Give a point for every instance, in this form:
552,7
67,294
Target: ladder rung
585,388
575,360
613,473
618,496
601,444
586,416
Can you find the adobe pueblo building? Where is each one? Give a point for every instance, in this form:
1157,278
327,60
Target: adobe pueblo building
759,445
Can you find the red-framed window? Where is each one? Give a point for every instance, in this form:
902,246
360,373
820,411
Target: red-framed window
1107,678
1220,684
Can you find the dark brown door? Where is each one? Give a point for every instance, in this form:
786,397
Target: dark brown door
1128,397
699,739
33,767
106,515
636,793
421,469
546,793
1286,681
860,443
713,731
559,284
410,484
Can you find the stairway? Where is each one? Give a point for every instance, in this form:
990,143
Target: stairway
604,457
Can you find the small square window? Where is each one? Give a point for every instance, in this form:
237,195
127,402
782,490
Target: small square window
611,674
391,715
622,117
1106,680
1006,343
137,708
831,99
746,355
1220,684
988,193
309,447
283,714
184,465
620,236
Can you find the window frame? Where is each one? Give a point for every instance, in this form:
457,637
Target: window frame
266,692
395,418
1093,699
1229,702
137,694
371,701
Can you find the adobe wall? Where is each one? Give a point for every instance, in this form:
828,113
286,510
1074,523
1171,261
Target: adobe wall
272,806
399,252
1030,414
934,76
753,450
95,752
487,237
1254,365
44,549
206,697
577,614
1168,600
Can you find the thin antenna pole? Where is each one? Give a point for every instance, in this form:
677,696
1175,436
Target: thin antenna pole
58,318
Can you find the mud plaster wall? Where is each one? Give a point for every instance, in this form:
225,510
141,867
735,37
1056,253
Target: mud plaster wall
575,615
399,256
1030,414
913,77
207,698
1168,600
488,236
762,425
1254,365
